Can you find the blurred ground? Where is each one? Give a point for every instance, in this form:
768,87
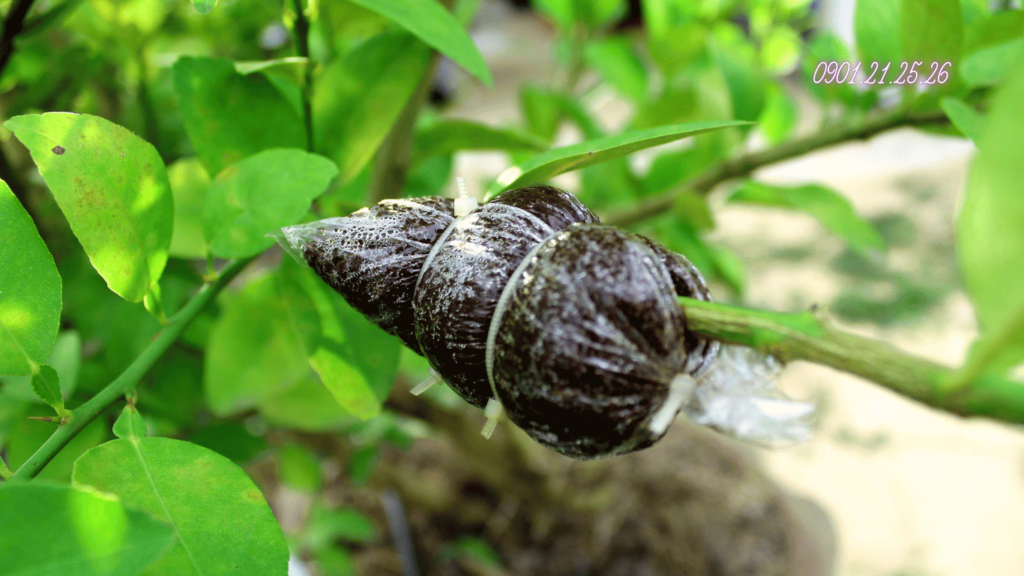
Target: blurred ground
910,491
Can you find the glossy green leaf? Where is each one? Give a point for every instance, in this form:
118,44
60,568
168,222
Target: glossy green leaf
112,187
222,522
230,116
189,182
357,98
990,238
877,29
129,424
615,59
932,31
46,385
30,290
204,6
828,207
306,406
966,119
298,468
260,194
450,136
56,530
991,65
253,351
566,159
66,359
430,22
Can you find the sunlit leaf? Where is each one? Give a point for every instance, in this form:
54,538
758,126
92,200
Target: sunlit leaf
46,385
66,359
30,290
966,119
49,529
222,522
260,194
189,182
129,424
990,66
828,207
566,159
431,23
230,116
112,187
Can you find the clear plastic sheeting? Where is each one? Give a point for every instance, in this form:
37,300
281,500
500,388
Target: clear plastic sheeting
739,397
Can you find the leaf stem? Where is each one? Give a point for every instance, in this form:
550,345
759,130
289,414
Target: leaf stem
81,416
302,47
811,336
13,24
744,165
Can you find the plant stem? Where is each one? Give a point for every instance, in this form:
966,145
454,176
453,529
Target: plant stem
744,165
13,24
302,46
81,416
811,336
391,162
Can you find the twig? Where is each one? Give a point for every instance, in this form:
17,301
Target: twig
811,336
81,416
748,163
302,46
400,532
13,24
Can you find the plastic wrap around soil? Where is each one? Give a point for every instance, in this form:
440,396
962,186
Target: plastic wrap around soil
461,284
373,257
588,341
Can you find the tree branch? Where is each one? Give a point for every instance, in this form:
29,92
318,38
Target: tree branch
811,336
81,416
744,165
13,24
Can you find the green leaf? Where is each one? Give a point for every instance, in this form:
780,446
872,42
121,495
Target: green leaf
993,29
966,119
990,238
112,187
30,289
223,524
932,31
53,16
566,159
989,66
298,468
780,51
357,98
450,136
621,67
229,116
877,29
204,6
431,23
348,524
261,194
46,385
831,209
253,351
559,11
336,561
49,530
130,424
472,547
231,440
779,115
307,406
189,182
66,359
356,361
746,83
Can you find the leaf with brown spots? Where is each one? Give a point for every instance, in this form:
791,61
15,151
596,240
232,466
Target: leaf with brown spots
222,523
113,189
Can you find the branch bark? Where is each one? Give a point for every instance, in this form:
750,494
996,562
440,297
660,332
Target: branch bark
811,336
84,414
744,165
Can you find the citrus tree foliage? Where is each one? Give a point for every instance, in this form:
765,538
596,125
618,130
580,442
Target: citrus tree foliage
147,142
